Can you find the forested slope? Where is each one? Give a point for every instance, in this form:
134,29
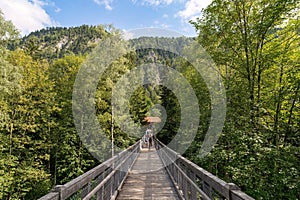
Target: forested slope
55,42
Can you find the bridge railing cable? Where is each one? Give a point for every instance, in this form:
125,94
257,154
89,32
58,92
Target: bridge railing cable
192,181
101,182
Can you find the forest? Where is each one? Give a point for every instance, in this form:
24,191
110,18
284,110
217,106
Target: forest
255,47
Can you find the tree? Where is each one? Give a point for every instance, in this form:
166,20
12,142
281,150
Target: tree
68,157
255,45
235,34
29,127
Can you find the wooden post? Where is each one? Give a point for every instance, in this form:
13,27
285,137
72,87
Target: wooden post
59,189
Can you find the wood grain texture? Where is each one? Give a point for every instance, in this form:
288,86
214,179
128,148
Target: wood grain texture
148,180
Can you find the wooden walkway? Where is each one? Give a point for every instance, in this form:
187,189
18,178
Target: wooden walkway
148,180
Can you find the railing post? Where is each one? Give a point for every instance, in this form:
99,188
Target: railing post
231,186
59,189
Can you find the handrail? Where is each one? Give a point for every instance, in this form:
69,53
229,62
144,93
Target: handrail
192,181
104,180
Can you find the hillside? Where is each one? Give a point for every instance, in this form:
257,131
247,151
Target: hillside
55,42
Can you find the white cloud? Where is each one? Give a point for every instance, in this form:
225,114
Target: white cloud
154,2
26,15
106,3
165,16
193,8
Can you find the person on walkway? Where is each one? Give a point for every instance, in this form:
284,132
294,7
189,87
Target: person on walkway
150,137
150,140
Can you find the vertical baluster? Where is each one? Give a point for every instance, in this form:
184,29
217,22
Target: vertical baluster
115,182
177,172
118,181
100,194
189,185
120,176
111,186
193,189
185,187
207,189
171,168
184,180
105,190
179,180
85,190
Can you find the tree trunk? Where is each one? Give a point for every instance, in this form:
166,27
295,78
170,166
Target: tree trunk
291,113
53,159
278,107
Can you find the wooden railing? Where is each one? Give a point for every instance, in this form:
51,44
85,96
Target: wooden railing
193,182
104,181
101,182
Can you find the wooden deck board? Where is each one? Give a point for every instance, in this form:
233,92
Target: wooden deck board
148,180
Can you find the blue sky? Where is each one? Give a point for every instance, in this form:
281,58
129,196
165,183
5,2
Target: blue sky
30,15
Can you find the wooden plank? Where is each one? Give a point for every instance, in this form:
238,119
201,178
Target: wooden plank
50,196
148,179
